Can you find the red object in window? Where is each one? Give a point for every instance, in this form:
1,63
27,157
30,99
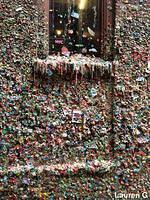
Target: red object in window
65,51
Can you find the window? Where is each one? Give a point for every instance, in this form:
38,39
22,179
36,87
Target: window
79,25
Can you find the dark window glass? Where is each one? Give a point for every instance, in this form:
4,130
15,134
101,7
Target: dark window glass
75,24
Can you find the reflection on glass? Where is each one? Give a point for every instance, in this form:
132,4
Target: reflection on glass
82,4
75,25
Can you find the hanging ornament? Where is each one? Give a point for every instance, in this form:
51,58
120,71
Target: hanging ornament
84,50
93,50
75,15
91,32
65,51
70,31
95,16
69,9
